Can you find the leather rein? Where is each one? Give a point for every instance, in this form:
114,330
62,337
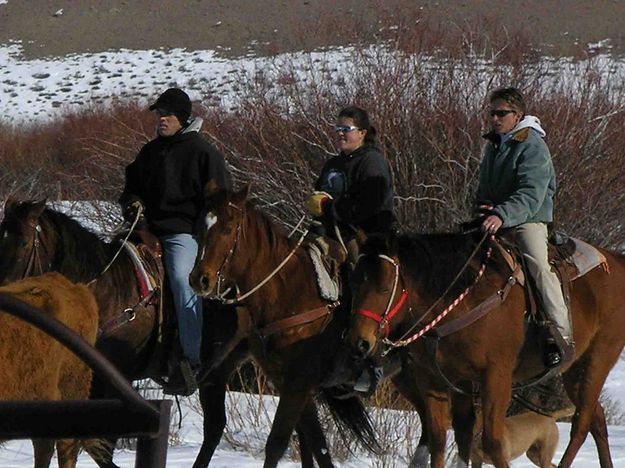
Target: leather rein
279,325
442,330
34,267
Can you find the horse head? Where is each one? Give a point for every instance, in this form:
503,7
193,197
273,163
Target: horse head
378,296
23,251
218,238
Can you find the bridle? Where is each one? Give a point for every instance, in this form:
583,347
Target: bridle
34,265
390,311
385,318
221,279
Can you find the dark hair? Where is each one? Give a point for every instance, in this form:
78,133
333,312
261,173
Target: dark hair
361,120
512,96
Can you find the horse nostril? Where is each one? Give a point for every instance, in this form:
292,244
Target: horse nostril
204,282
362,346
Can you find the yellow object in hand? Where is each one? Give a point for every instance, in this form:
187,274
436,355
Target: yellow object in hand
316,202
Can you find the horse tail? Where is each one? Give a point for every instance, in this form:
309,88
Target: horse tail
351,417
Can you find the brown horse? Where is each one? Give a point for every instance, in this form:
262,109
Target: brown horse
35,366
296,332
35,239
429,273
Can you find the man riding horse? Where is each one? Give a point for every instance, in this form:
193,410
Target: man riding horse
516,187
165,183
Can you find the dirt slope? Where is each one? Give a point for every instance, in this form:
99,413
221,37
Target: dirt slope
237,27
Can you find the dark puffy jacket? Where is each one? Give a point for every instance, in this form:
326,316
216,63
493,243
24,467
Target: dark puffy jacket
362,191
168,176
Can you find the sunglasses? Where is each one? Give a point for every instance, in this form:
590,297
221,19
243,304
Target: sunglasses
345,128
501,112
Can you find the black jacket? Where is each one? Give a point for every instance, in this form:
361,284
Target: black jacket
168,176
362,190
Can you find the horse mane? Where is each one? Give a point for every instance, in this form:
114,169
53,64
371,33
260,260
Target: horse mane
272,233
434,260
80,253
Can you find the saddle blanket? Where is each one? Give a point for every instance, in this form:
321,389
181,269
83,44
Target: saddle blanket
328,288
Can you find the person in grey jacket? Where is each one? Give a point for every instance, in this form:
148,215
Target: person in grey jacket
516,188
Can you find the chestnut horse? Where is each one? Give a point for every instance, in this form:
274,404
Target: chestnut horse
35,239
429,273
296,333
36,366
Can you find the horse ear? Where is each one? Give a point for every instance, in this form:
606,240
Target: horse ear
38,207
10,203
240,197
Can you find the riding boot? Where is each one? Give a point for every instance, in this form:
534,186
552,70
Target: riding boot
559,349
182,380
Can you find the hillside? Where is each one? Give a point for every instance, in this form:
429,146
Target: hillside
237,27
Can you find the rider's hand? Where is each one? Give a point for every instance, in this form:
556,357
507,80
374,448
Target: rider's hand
492,224
316,203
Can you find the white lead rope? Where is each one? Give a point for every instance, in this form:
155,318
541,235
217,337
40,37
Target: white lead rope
271,275
123,244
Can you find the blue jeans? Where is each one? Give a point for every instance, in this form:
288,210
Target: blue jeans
179,252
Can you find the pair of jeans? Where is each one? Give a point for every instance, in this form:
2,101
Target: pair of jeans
179,252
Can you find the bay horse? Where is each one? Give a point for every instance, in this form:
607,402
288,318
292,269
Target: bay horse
35,239
36,366
296,333
453,271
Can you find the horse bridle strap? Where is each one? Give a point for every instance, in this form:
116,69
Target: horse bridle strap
494,300
390,310
299,319
33,258
384,320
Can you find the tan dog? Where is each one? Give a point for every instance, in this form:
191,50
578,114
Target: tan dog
531,433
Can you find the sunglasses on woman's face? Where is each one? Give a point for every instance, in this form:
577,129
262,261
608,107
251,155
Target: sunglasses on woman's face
501,112
345,128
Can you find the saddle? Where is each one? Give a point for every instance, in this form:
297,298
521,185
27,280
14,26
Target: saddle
570,258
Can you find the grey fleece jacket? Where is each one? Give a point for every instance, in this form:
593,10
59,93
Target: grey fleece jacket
517,175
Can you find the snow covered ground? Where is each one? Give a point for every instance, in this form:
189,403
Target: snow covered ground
18,454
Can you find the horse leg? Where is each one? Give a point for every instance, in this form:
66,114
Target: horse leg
599,431
43,449
67,452
433,409
212,400
305,453
496,394
584,393
312,439
463,421
289,409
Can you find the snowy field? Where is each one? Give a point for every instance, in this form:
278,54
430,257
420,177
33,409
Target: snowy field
18,454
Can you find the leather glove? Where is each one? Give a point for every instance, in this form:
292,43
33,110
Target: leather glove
133,209
316,203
